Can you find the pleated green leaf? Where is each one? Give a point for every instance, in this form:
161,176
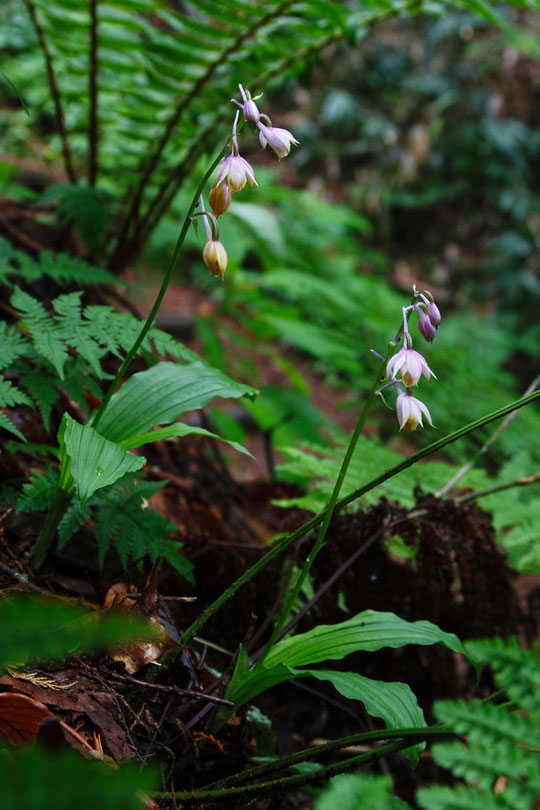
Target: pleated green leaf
393,702
95,461
368,631
161,394
177,430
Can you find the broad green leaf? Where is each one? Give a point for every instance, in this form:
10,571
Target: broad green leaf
393,702
161,394
95,461
174,430
369,631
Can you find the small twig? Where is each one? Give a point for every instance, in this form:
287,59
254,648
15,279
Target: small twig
277,602
199,716
21,579
519,482
173,689
156,731
55,93
93,96
485,447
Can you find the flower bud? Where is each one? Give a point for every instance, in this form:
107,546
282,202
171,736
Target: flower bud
426,328
434,314
251,111
215,257
219,199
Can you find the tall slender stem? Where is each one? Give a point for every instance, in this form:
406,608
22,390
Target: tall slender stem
329,512
234,793
159,298
286,542
361,738
65,491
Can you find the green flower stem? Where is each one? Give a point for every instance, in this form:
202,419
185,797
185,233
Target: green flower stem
289,603
65,491
287,541
197,797
62,499
318,750
160,296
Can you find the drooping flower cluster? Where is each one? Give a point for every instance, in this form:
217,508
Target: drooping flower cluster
234,172
410,364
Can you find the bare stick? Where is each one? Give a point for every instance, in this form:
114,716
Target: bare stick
462,472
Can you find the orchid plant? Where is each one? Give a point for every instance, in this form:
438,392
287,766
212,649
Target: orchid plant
96,455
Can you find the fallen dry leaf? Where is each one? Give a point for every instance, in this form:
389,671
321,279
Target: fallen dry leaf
136,655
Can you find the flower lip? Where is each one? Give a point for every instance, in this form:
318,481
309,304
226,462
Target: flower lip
409,412
235,171
411,364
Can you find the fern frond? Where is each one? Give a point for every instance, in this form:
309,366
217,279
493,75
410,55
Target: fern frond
74,518
461,797
83,207
41,329
500,760
75,331
37,493
517,671
7,424
11,395
43,388
13,344
133,531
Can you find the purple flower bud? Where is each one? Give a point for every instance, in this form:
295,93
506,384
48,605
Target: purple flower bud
409,412
251,111
411,364
434,314
426,328
280,140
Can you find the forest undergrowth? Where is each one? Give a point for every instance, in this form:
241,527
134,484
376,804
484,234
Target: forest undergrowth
269,451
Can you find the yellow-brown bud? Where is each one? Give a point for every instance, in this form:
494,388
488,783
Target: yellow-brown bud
215,257
220,199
